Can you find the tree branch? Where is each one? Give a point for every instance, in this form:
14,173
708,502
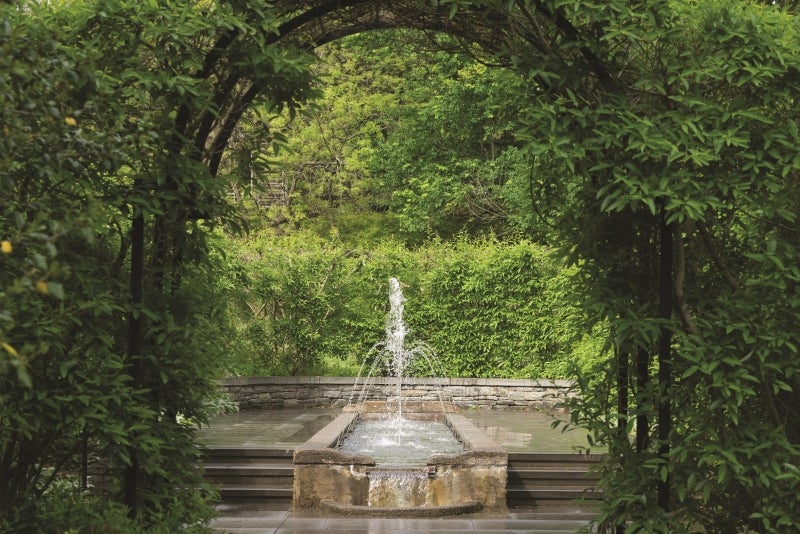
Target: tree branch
572,34
716,257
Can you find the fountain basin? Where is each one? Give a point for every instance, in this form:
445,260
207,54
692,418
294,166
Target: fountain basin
443,484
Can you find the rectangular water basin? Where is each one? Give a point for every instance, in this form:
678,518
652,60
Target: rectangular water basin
400,440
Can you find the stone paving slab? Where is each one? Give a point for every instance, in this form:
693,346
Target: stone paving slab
266,428
248,519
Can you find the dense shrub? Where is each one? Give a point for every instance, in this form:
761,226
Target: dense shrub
496,309
486,308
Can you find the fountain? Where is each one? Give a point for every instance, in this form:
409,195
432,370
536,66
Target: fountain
396,456
395,358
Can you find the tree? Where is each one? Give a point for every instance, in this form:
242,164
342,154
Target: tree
100,162
410,130
679,121
450,157
60,380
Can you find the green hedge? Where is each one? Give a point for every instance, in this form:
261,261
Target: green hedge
486,308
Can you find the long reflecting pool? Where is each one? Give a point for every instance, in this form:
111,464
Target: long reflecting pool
287,427
514,430
527,431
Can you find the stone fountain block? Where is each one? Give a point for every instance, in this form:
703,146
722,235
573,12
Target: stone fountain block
325,477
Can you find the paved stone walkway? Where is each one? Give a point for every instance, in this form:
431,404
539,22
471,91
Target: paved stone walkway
516,431
244,519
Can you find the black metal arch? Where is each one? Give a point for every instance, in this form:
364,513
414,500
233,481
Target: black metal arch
533,31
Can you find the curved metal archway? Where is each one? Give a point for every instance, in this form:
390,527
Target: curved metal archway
534,33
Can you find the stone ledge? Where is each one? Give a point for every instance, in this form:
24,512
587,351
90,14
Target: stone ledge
329,392
324,439
419,511
407,381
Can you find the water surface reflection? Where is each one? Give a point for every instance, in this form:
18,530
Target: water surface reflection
527,431
514,430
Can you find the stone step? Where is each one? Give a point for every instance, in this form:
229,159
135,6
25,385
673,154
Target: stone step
531,487
249,474
553,483
252,523
538,478
251,492
554,499
244,455
561,461
580,475
558,493
562,515
546,483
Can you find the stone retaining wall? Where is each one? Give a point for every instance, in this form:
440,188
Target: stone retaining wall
335,392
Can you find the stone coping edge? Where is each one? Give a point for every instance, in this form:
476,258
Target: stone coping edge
349,380
320,448
420,511
472,437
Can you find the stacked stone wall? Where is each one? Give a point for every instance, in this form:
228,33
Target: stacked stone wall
254,393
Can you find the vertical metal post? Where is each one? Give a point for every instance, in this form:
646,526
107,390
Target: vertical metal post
622,394
85,461
622,404
131,476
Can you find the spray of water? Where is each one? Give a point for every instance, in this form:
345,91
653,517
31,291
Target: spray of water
396,338
394,355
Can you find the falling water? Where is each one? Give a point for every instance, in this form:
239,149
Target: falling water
397,488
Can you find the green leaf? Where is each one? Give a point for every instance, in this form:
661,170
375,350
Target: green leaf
55,290
64,368
24,377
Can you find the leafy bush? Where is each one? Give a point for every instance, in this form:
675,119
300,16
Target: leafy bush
496,309
67,509
486,308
